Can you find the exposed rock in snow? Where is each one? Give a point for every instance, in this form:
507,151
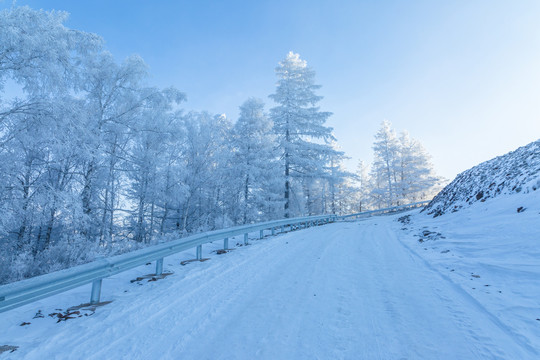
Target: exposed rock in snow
516,172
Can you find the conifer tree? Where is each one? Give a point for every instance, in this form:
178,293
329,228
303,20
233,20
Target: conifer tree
302,137
255,163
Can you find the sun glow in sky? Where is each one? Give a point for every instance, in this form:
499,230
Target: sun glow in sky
463,77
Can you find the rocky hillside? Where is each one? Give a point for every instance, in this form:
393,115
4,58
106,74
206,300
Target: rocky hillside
515,172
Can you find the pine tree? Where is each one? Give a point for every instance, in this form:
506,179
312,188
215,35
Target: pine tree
255,162
299,124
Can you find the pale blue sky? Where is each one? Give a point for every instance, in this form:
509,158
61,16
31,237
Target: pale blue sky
462,76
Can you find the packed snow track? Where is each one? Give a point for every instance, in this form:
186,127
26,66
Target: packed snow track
341,291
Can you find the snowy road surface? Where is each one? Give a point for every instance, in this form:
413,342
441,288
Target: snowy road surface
341,291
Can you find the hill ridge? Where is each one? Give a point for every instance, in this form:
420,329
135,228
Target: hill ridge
515,172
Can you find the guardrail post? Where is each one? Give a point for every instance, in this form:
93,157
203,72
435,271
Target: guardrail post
261,233
96,291
245,239
159,267
199,252
282,228
226,244
273,231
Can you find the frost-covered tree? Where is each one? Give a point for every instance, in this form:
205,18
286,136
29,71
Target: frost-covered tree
401,171
362,187
39,153
415,173
67,153
338,180
207,175
148,166
255,161
95,162
384,170
40,54
299,125
114,96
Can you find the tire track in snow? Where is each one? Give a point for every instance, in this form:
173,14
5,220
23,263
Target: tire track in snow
405,301
215,291
145,312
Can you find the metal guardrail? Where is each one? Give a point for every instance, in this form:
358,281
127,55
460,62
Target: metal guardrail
26,291
384,211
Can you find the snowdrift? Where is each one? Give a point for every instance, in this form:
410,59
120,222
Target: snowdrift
515,172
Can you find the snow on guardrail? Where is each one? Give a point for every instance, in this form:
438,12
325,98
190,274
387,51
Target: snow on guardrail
385,211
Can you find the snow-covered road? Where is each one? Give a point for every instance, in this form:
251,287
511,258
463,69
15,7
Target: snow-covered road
340,291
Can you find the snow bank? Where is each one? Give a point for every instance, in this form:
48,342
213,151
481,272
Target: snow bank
491,250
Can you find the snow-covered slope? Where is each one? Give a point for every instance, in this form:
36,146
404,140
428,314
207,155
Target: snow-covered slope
492,252
515,172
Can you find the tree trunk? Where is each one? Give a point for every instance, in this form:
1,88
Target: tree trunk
287,181
246,194
26,200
